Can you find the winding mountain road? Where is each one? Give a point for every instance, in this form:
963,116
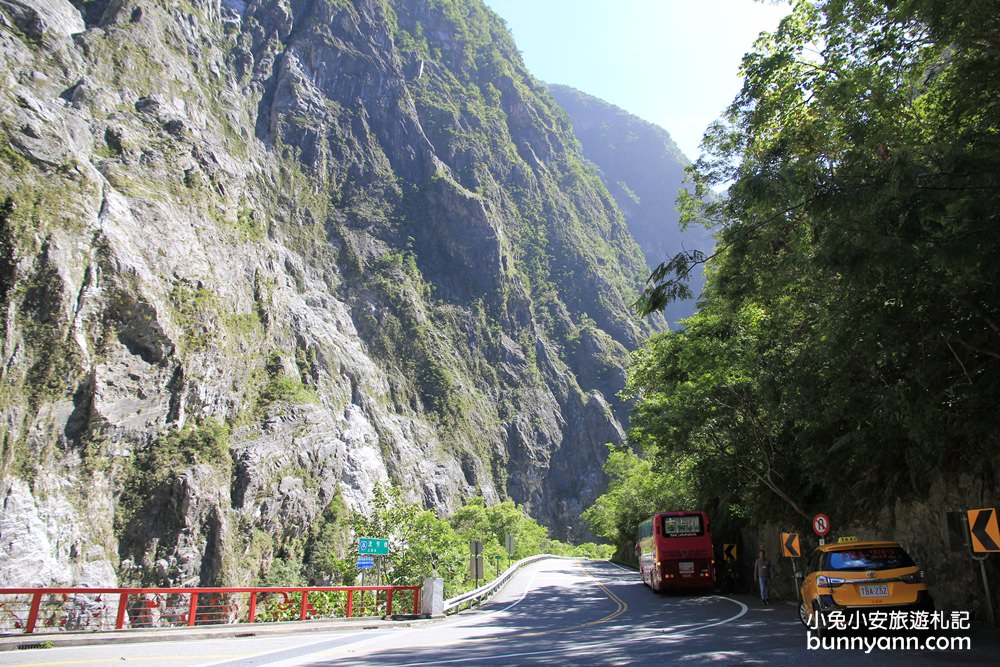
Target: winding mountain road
562,612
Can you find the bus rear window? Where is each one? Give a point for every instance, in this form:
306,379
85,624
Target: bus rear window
683,526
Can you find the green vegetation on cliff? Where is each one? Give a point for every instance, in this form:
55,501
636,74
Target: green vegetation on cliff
644,171
260,256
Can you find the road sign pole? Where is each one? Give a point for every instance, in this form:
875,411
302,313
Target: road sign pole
795,579
986,587
982,570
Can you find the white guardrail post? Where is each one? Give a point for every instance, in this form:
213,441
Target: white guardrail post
485,591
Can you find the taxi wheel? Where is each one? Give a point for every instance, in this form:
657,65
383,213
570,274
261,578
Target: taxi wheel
804,616
821,626
813,620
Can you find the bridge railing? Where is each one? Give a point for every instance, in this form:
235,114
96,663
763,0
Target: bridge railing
30,610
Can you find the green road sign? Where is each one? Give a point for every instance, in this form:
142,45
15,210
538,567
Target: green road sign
373,546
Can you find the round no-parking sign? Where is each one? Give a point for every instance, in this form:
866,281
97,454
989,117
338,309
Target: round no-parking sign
821,524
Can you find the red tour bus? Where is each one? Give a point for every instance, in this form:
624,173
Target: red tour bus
675,552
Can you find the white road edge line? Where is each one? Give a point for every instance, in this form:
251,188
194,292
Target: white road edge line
381,633
644,637
483,614
331,636
621,567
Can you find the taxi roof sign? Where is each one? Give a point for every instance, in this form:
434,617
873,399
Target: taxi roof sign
846,539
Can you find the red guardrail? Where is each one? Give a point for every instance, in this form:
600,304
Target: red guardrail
94,609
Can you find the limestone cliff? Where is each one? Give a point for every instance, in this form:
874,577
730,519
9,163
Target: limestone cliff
643,169
257,256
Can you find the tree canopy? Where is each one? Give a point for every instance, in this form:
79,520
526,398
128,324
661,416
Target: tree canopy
851,320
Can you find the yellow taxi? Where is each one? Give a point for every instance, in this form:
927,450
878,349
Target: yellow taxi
854,576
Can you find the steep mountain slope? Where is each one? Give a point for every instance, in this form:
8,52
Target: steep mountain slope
257,256
644,170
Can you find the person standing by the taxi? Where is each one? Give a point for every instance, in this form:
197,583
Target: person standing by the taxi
762,572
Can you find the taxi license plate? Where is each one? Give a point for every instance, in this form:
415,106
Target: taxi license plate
686,567
877,591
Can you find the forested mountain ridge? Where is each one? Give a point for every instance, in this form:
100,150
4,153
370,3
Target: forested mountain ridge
643,170
259,256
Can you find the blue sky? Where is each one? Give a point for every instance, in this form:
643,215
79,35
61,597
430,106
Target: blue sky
671,62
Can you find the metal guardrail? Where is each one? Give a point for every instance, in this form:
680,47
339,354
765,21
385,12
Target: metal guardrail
30,610
478,595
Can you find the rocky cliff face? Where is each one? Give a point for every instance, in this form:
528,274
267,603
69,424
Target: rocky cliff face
256,257
643,170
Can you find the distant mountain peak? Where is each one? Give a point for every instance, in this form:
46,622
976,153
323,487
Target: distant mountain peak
643,169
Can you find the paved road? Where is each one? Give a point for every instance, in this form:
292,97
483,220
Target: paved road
555,612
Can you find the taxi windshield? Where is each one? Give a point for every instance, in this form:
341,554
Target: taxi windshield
872,558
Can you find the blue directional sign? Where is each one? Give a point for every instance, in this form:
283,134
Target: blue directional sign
365,562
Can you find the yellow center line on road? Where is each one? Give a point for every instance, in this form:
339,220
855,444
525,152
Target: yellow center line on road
620,608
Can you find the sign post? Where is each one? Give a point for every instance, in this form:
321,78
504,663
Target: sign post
476,568
476,560
509,545
729,554
373,546
790,548
985,535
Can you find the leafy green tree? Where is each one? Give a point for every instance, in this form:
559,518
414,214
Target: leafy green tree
471,520
491,524
419,542
635,492
851,315
594,551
